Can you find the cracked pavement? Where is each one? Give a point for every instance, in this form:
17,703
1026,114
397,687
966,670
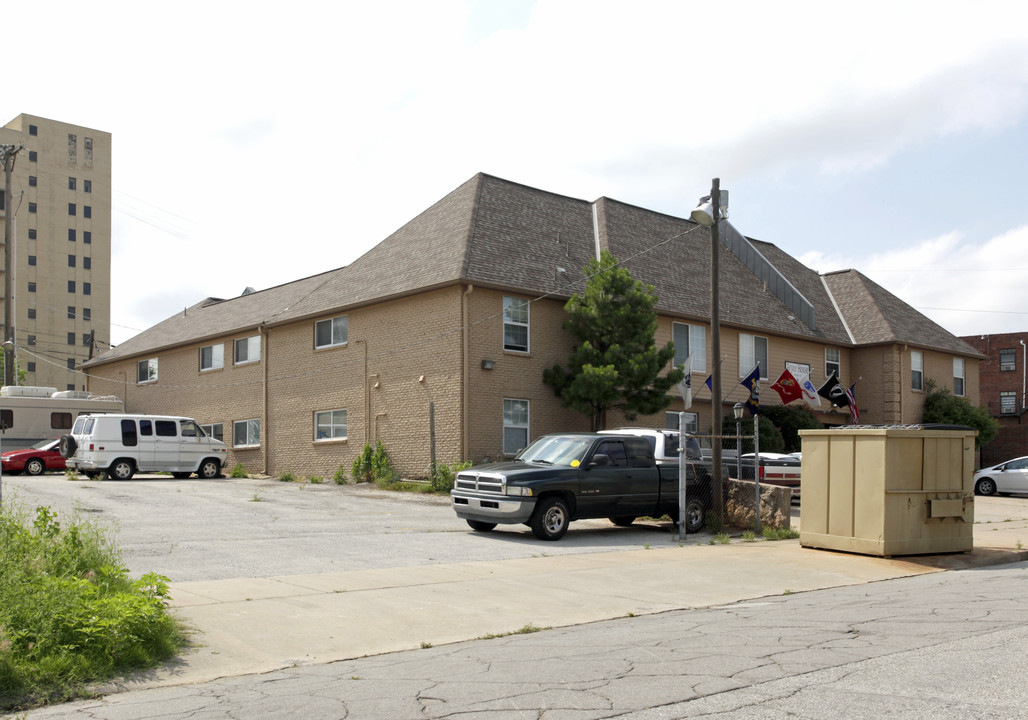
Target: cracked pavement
939,644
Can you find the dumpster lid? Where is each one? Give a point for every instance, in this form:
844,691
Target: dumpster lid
920,426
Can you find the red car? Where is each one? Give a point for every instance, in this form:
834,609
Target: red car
35,460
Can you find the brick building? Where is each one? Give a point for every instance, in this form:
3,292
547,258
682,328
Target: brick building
443,331
1001,380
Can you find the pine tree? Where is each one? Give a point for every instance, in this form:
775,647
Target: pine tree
616,364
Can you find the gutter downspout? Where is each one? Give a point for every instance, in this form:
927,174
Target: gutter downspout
465,439
1024,368
266,440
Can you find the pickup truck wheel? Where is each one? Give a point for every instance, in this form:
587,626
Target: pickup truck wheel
479,526
550,519
695,516
623,520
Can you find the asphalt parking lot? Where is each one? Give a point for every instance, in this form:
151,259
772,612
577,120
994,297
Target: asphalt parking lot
216,529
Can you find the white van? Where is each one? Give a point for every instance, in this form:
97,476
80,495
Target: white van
121,444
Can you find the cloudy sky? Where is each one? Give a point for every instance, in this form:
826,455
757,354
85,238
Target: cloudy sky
256,143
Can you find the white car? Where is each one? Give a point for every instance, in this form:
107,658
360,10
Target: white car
1007,477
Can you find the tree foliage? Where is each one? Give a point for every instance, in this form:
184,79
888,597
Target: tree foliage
616,364
790,419
942,406
770,437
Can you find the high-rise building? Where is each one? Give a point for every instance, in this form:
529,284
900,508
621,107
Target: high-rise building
61,208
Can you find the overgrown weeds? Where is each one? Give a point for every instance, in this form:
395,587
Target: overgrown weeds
442,477
239,472
70,614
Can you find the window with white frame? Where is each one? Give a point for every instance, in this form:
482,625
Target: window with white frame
247,350
330,425
246,433
833,362
515,324
1007,360
752,349
690,341
146,370
916,370
515,425
214,430
330,333
212,357
692,421
958,376
1008,402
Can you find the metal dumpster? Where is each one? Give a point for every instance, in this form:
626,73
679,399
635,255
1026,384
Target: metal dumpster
888,490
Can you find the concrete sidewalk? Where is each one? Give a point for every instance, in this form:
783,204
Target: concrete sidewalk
245,626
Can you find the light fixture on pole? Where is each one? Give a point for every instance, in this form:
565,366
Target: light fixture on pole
708,213
737,411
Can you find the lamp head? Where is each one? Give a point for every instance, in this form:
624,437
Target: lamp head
737,410
704,212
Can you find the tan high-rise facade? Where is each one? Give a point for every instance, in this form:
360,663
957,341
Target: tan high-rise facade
61,206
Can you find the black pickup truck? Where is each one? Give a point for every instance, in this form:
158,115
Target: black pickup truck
574,476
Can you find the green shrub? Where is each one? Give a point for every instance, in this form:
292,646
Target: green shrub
239,471
287,477
315,480
373,465
340,477
70,613
443,477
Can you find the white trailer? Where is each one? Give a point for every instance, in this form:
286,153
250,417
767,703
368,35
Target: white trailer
29,414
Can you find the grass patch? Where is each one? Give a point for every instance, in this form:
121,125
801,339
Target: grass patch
748,536
771,533
239,472
70,615
340,476
287,477
721,539
523,630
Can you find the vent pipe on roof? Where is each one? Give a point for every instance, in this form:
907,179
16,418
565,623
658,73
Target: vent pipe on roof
248,291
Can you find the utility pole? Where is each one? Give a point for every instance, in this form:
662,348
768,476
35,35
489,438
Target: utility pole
715,337
8,153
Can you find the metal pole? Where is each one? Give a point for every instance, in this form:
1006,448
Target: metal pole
715,337
9,152
738,448
681,477
756,463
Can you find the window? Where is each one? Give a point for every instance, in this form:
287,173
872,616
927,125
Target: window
129,434
330,425
71,208
330,333
692,421
71,261
32,181
188,428
60,421
248,350
752,349
71,366
87,185
165,428
833,362
515,324
87,237
86,337
214,430
71,286
145,428
32,313
87,263
32,233
146,370
87,314
31,340
1008,402
32,207
33,156
32,260
71,183
73,147
71,312
515,426
87,288
958,376
87,211
87,150
246,433
71,338
32,366
690,340
212,357
1007,360
615,451
6,419
33,130
32,287
916,370
71,234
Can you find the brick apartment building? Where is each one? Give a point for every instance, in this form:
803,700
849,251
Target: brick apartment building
443,331
1001,380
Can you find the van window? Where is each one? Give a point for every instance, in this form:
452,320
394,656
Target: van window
79,422
146,428
60,420
88,429
129,438
190,429
166,428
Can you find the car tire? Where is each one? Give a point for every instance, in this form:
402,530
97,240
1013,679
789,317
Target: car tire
35,466
479,526
209,469
985,486
695,515
623,520
67,446
551,518
121,469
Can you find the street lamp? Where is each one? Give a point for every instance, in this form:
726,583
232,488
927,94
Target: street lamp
708,213
737,411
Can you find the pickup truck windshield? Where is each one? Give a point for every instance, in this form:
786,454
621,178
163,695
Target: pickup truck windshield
556,450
